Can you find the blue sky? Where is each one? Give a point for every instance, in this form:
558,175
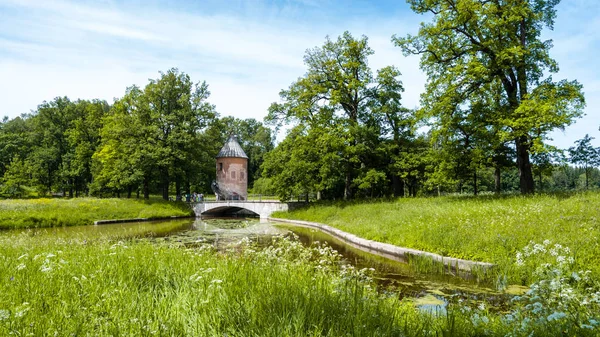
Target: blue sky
246,50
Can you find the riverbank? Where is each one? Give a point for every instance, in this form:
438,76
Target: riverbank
490,229
387,250
97,286
39,213
104,285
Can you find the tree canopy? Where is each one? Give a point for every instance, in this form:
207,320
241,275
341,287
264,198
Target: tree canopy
474,47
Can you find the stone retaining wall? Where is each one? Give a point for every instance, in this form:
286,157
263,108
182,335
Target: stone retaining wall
106,222
386,248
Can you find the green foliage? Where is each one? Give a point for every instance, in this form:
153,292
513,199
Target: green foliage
562,298
35,213
474,51
15,178
99,287
349,124
263,186
585,154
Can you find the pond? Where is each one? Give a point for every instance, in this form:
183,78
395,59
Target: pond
429,291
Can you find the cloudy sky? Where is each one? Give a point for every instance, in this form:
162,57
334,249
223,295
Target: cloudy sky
247,50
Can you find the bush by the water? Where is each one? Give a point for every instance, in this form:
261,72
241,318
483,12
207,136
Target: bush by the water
35,213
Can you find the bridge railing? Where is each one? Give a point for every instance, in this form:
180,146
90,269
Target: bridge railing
251,197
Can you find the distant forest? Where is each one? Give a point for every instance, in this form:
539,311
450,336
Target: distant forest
482,127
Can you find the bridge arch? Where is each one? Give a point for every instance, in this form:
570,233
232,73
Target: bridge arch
264,209
229,211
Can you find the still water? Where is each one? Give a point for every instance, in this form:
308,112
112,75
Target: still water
430,291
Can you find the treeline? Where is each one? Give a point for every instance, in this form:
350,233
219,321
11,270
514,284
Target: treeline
489,104
158,139
483,124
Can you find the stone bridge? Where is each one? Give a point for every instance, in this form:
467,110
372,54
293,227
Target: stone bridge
264,209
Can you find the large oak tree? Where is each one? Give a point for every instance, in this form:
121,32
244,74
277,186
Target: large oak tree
470,45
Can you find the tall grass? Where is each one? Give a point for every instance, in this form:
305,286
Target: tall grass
37,213
97,286
490,229
79,287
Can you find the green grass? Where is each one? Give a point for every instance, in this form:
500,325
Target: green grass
35,213
76,286
95,285
490,229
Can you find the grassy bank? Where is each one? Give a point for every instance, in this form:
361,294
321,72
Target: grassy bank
82,285
78,286
490,229
82,211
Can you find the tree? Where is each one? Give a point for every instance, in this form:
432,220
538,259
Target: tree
472,46
584,154
124,159
339,96
83,137
155,133
176,110
304,163
15,178
51,122
15,140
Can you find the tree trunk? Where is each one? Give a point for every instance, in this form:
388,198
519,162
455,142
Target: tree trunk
475,190
398,185
497,180
177,189
146,188
76,189
129,192
586,177
348,183
165,185
412,188
49,181
525,174
137,193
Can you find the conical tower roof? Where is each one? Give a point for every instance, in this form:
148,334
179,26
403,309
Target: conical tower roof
232,149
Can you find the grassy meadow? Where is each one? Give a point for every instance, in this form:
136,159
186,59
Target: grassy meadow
37,213
490,229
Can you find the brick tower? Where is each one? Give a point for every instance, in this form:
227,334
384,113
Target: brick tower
232,172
